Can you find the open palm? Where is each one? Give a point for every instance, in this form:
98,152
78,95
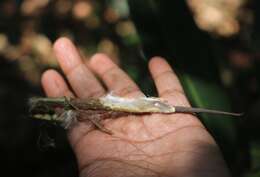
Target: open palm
150,145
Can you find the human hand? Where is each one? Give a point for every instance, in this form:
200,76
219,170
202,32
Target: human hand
149,145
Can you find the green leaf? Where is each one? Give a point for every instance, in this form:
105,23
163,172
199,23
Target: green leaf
209,95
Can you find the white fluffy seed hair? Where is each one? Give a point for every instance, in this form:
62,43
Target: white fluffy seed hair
68,118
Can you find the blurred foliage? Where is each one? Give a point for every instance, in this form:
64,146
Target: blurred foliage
29,27
222,18
209,64
255,154
212,44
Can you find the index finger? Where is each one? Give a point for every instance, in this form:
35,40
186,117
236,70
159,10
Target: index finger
114,77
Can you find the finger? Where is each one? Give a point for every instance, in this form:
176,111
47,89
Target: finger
116,80
167,82
83,82
54,85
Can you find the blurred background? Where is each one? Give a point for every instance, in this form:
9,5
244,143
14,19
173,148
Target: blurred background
212,44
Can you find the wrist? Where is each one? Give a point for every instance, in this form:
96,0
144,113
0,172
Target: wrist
183,164
117,168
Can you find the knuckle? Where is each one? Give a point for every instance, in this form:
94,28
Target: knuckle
171,92
163,74
127,90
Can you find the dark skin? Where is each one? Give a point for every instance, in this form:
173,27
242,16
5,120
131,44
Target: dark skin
149,145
